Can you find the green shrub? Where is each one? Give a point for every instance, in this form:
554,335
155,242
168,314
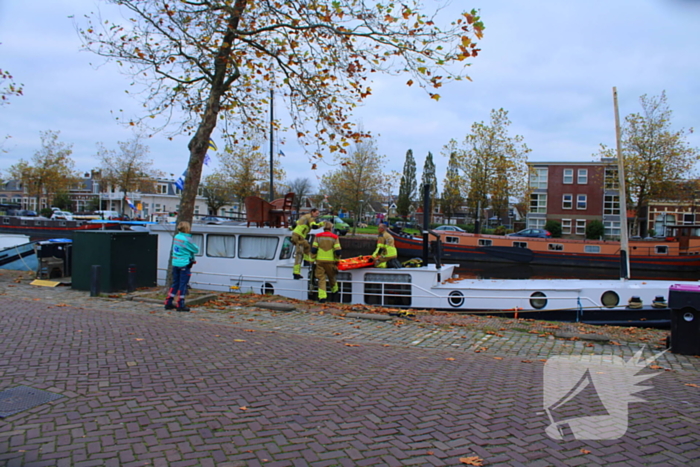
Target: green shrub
595,230
554,227
46,212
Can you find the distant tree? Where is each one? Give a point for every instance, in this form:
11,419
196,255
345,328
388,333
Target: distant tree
217,189
495,163
218,59
429,177
452,198
595,230
656,157
93,204
62,201
301,187
248,169
129,169
408,189
554,227
50,171
358,181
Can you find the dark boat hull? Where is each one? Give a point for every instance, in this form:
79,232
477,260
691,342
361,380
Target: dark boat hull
465,255
48,228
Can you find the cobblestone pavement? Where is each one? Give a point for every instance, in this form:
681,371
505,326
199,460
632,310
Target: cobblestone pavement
248,387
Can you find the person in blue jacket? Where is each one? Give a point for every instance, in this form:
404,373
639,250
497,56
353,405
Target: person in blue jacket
183,260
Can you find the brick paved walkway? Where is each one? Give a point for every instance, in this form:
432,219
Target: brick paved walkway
249,387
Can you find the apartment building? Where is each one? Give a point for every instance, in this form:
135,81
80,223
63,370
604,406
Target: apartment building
574,194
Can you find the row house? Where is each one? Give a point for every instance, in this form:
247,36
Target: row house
574,194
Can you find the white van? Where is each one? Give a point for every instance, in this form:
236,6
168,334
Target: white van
107,215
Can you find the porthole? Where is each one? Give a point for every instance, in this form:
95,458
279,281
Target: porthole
267,289
610,299
538,300
456,298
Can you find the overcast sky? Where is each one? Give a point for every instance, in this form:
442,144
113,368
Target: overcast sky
552,64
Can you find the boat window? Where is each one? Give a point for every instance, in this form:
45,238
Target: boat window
287,248
591,248
257,247
6,220
62,223
538,300
23,222
555,247
388,289
485,242
221,246
661,249
519,244
451,239
198,239
37,222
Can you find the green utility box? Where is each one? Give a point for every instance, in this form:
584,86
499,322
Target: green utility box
114,251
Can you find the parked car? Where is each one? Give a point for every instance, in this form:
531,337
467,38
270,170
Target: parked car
339,225
108,215
213,220
451,228
537,233
63,215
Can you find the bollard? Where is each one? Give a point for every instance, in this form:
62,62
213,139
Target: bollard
95,280
131,278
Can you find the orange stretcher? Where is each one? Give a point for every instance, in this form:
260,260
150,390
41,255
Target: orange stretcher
355,263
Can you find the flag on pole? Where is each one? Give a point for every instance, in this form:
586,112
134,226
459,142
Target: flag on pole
212,145
282,153
180,182
131,205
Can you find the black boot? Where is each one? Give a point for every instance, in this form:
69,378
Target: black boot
169,306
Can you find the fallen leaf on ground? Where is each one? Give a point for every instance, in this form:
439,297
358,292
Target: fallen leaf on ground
585,451
656,367
473,460
450,359
692,385
139,339
498,358
243,408
526,361
239,340
351,345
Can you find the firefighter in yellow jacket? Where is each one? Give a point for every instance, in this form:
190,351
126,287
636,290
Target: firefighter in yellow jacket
386,251
304,226
326,252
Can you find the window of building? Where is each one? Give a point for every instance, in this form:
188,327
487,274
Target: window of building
568,176
580,226
566,226
612,229
581,201
689,218
612,181
611,205
536,223
162,188
538,203
538,178
582,176
567,201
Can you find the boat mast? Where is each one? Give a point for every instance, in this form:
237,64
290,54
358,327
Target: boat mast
624,245
272,142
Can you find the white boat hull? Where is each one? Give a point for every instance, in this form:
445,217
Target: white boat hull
426,287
